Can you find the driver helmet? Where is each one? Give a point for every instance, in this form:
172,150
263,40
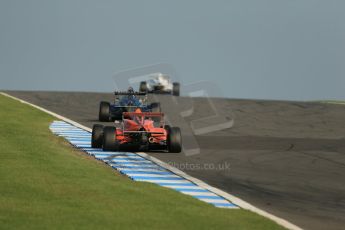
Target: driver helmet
130,90
131,98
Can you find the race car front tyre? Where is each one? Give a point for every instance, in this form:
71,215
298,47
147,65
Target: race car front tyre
110,142
143,87
97,136
104,111
174,140
156,107
176,89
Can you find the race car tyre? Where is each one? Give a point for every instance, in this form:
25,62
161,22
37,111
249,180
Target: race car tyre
109,139
104,111
176,89
174,140
156,107
97,136
143,86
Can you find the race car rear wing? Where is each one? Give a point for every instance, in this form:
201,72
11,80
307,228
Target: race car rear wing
128,93
143,132
149,114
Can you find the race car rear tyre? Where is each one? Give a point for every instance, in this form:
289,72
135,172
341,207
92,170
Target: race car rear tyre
97,136
110,142
104,111
174,140
156,107
143,87
176,89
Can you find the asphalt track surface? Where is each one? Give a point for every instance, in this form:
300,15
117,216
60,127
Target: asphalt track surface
287,158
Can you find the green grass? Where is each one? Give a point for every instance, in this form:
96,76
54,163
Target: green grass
46,184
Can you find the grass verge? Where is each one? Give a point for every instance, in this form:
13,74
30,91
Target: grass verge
47,184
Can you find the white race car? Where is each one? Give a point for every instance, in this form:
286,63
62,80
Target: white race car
160,83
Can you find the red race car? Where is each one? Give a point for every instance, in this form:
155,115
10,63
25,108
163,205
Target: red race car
140,131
